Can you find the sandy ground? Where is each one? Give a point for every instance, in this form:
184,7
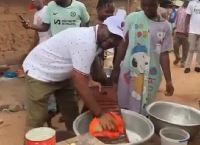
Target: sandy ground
11,131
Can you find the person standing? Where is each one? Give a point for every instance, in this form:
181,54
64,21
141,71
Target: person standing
62,62
60,15
172,17
39,37
193,21
181,36
162,12
137,66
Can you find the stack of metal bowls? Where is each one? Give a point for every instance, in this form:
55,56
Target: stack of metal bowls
166,114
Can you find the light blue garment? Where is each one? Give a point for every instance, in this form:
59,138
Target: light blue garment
140,75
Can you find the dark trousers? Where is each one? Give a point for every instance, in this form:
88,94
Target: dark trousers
181,40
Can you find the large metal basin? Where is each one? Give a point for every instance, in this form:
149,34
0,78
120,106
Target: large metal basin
136,124
166,114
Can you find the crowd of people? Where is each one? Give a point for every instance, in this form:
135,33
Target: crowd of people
67,55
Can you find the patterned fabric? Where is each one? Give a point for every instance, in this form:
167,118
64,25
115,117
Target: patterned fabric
180,20
140,75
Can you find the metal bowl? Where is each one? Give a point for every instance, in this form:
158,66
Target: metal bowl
166,114
139,128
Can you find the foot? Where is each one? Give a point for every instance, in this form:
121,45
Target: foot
176,61
197,69
187,70
182,65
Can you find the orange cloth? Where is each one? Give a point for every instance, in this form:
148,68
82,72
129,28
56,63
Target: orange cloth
95,128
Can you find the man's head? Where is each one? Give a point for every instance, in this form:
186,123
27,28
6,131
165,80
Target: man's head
61,2
37,4
105,9
150,7
185,4
173,7
110,33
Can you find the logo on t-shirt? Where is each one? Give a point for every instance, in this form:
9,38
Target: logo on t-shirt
65,22
54,13
73,14
197,11
39,20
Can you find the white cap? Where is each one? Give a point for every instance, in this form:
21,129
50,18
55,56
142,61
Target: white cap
115,25
120,13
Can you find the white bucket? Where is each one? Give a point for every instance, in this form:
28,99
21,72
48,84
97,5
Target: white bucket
174,136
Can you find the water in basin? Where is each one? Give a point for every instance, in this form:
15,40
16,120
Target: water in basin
174,136
132,136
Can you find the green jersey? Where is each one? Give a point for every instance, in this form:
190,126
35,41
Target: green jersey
61,18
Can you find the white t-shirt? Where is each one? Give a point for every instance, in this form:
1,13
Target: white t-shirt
193,9
38,19
55,59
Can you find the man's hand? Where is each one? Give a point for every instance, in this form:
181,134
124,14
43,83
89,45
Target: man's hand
115,75
115,86
26,24
95,84
107,121
169,89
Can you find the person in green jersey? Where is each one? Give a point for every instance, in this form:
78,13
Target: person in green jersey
60,15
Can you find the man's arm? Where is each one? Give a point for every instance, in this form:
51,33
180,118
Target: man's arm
44,27
176,20
165,61
164,56
81,84
165,64
187,23
85,18
83,55
189,13
121,52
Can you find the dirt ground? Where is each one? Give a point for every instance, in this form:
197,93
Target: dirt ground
12,130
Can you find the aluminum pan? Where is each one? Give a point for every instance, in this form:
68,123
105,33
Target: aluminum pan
175,114
130,119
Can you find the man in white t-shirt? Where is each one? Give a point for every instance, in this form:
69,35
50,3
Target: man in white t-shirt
60,15
38,20
39,37
193,21
50,66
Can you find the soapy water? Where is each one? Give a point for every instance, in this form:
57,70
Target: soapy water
132,136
